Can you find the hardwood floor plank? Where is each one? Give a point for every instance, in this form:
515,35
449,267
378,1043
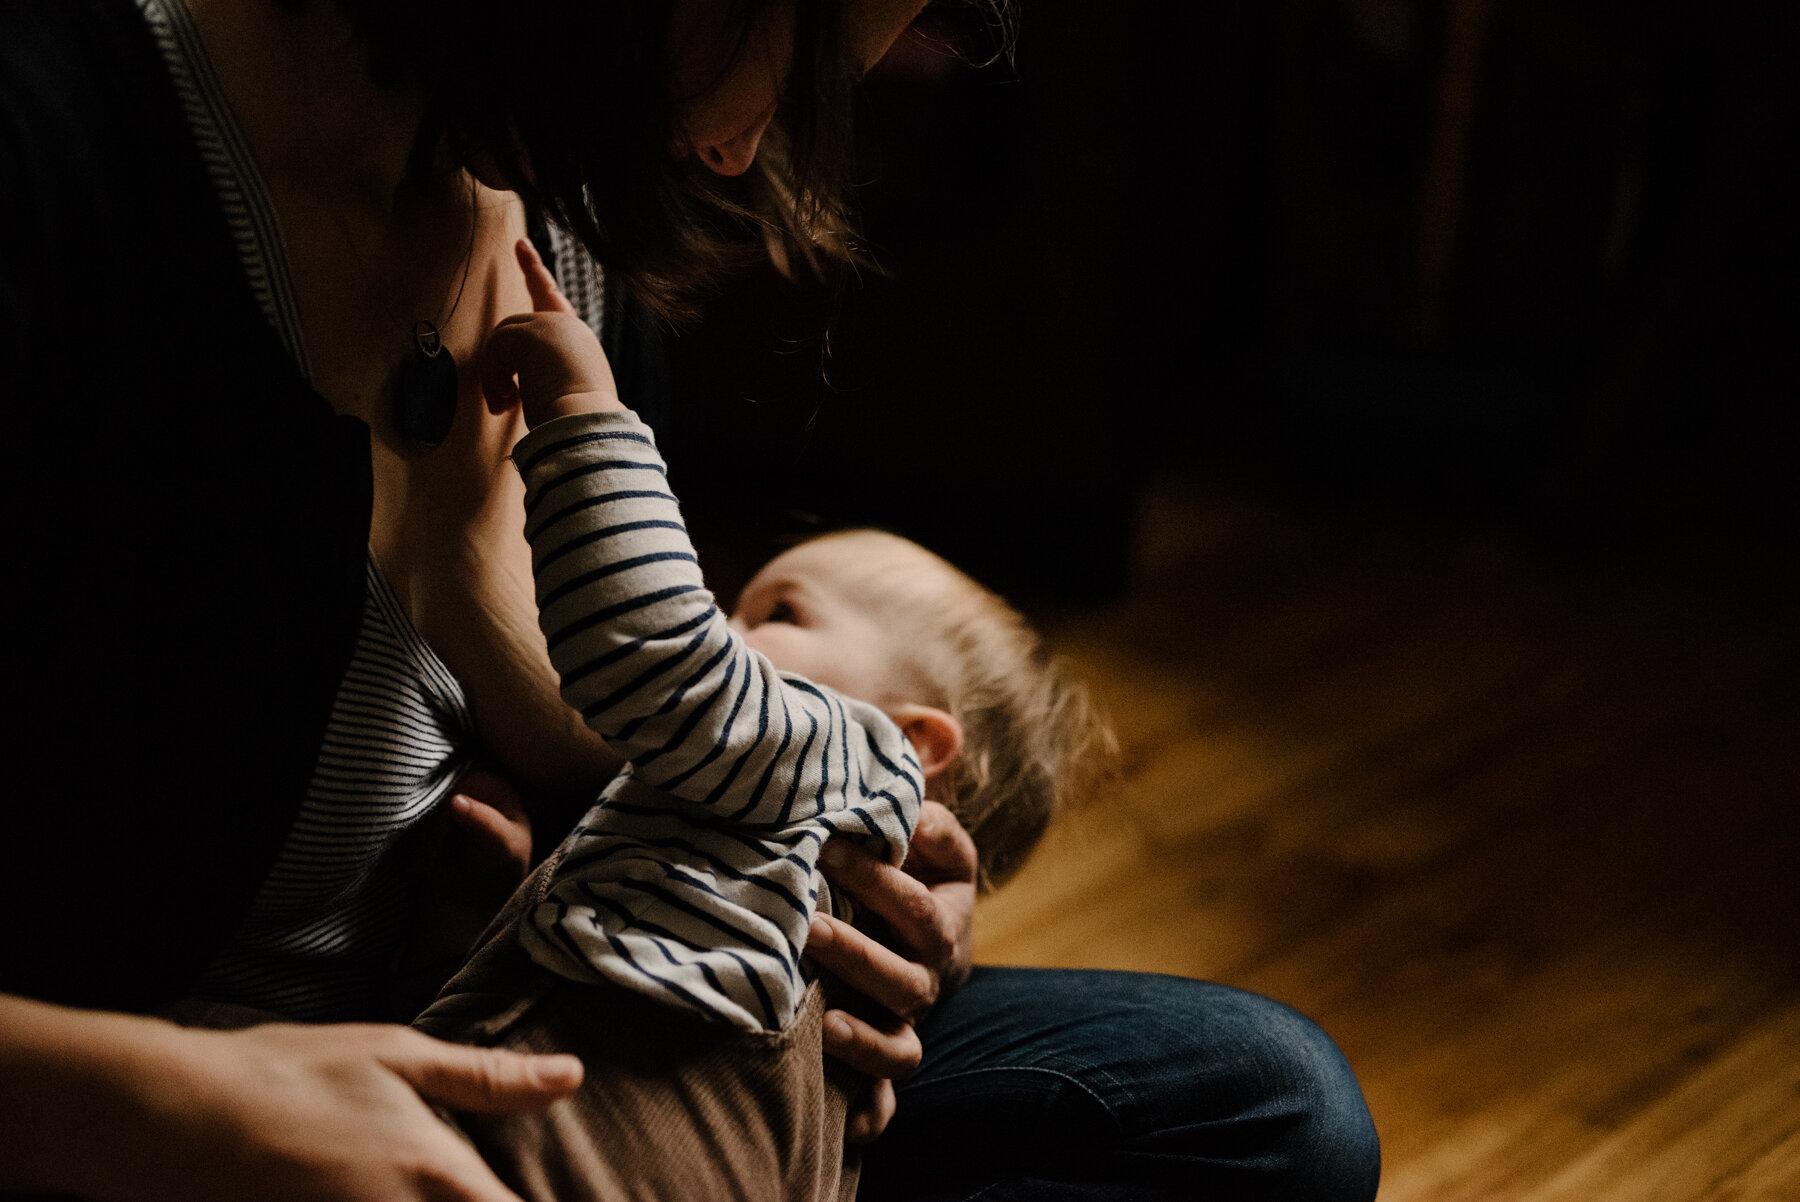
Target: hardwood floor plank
1775,1177
1517,829
1737,1108
1538,1074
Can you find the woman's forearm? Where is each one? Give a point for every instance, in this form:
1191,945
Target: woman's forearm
70,1095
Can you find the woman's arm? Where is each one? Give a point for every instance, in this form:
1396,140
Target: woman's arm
120,1108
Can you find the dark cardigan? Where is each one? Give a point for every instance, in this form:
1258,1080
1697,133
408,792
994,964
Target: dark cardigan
188,523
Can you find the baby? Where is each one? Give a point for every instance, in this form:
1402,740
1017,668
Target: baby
859,675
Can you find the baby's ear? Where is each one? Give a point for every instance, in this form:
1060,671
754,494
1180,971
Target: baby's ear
934,734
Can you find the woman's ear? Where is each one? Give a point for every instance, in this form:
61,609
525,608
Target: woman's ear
934,734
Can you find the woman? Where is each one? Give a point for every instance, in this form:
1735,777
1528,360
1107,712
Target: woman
238,239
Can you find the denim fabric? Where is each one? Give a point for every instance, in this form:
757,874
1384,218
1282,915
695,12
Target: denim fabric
1053,1085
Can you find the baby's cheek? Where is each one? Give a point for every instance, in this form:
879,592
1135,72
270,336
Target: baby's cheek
785,645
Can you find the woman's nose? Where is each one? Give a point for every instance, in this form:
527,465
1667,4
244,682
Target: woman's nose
734,156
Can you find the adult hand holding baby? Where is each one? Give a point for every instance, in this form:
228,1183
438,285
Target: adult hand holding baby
928,905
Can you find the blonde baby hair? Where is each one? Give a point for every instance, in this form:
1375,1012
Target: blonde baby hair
1033,740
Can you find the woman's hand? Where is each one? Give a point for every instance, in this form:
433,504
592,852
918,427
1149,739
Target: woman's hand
928,905
548,361
136,1110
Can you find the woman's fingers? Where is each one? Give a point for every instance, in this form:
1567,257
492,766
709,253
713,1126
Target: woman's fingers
943,858
906,989
484,1080
923,923
870,1117
942,851
883,1052
928,906
546,297
459,1174
292,1113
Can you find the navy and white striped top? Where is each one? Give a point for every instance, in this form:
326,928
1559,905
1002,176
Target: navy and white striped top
322,938
695,879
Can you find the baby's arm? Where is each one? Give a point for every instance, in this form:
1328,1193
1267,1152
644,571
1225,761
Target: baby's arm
643,652
647,658
705,885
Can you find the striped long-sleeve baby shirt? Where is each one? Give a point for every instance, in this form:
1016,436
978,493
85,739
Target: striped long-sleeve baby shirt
695,878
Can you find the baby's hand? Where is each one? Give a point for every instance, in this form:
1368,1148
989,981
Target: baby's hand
472,853
547,362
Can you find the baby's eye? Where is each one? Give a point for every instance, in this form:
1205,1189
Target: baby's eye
781,611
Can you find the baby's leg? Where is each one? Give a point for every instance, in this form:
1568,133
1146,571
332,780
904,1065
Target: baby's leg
673,1107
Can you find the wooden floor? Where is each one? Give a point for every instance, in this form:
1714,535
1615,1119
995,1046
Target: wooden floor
1515,826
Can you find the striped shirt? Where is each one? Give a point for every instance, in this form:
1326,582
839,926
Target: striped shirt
695,878
323,936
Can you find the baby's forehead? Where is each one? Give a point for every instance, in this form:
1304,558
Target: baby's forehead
865,567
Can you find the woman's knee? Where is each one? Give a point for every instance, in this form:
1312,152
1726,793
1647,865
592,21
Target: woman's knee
1155,1079
1271,1084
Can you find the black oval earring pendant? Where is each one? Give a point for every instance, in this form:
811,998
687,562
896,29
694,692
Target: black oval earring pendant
425,389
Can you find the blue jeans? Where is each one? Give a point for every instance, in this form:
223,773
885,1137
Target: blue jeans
1056,1084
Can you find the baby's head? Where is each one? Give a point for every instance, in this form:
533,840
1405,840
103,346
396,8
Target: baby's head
1005,735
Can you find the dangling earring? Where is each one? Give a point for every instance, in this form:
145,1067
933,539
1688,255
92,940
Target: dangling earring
425,388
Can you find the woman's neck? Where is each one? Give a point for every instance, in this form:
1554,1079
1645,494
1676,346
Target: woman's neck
298,82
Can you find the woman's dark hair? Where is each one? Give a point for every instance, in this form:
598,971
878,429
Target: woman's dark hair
572,102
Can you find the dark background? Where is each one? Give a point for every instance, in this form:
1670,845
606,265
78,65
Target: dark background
1516,262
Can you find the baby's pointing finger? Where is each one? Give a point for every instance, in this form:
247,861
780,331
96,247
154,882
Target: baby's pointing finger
546,297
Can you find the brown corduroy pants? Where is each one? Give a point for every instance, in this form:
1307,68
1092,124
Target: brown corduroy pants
673,1108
